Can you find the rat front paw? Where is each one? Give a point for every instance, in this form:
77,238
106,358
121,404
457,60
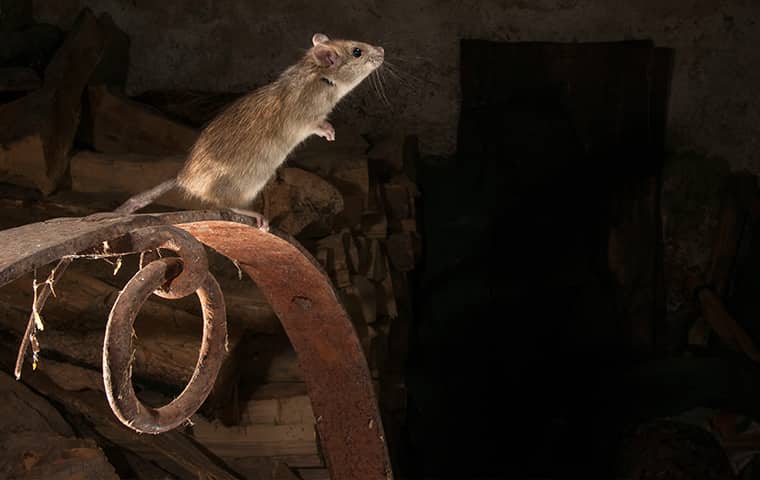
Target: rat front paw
326,131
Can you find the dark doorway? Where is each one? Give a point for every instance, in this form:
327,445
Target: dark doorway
542,272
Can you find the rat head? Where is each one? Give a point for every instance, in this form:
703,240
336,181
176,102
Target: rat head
344,63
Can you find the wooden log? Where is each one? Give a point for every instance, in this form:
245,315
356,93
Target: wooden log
195,108
52,113
374,219
360,299
19,79
121,125
337,266
401,251
26,411
377,262
93,172
277,422
23,162
386,297
167,339
351,177
173,450
52,457
268,359
353,258
247,308
398,201
296,199
39,443
256,440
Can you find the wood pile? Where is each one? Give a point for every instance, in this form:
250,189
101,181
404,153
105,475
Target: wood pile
74,144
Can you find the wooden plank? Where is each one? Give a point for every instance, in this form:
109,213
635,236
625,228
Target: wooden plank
256,440
93,172
121,125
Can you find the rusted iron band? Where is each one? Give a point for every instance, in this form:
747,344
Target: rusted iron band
329,353
194,261
334,366
118,351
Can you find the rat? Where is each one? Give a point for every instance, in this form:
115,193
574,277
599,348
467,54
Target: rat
239,151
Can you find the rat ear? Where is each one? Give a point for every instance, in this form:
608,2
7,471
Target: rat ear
325,56
319,38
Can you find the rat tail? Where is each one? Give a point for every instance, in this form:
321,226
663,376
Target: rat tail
147,197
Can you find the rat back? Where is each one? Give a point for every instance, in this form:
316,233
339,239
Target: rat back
240,150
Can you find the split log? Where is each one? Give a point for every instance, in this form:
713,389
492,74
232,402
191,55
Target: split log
172,450
52,113
386,295
277,422
360,299
168,339
121,125
377,262
374,219
19,79
738,195
398,201
401,251
52,457
23,162
257,440
296,199
351,177
95,173
196,108
26,411
336,263
39,443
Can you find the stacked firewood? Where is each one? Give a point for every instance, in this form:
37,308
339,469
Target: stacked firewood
75,144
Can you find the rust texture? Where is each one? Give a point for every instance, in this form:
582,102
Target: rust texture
329,352
118,352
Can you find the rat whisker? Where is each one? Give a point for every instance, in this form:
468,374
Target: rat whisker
406,77
375,81
382,88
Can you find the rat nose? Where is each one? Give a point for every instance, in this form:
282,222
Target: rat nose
381,50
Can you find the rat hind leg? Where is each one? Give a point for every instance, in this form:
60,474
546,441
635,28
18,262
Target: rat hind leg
261,222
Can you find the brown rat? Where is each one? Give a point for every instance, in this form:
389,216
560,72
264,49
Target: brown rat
240,150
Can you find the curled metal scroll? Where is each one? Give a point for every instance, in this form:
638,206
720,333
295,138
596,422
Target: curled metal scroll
335,370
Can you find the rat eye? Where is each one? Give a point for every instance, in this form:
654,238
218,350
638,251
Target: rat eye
357,52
